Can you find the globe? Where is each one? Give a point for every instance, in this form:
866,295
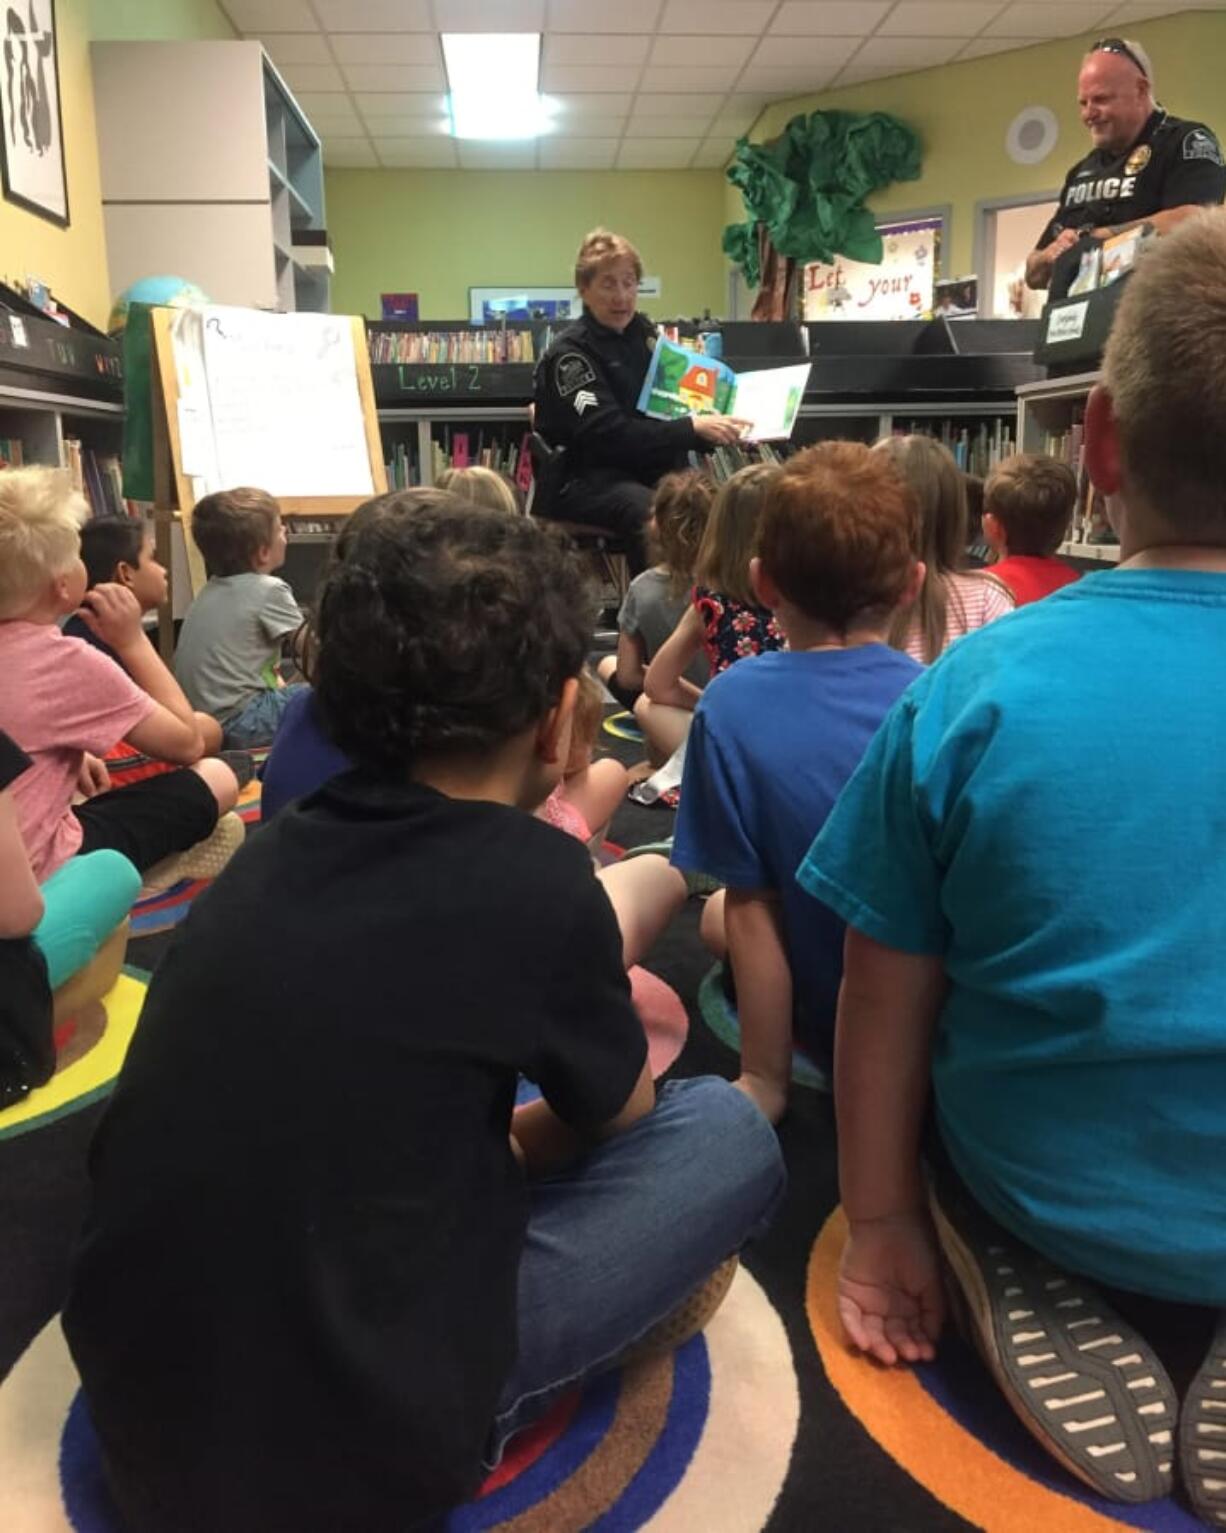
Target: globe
162,292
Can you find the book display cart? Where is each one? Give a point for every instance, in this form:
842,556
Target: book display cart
1050,419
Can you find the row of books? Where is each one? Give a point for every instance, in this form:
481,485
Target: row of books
98,476
1090,523
504,453
12,453
723,462
393,346
976,449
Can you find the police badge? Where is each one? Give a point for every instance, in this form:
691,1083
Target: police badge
1137,160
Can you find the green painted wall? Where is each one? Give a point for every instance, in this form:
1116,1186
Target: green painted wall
962,112
157,20
437,233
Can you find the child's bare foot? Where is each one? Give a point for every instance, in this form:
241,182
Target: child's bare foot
770,1096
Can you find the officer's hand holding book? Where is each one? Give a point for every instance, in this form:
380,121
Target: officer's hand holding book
720,428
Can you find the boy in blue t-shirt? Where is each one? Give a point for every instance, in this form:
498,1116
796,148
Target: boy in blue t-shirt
776,737
1032,862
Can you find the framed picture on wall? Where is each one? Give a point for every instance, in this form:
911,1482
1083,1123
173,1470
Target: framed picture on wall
489,305
31,127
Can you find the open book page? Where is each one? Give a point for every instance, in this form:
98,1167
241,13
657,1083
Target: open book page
769,399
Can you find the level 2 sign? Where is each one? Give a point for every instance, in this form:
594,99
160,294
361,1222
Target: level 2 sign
901,287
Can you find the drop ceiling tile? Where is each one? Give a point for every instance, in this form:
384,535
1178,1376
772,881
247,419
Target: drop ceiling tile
803,80
939,18
1142,10
312,76
385,48
713,154
906,52
689,78
821,54
828,18
587,77
601,16
410,127
563,48
336,124
395,77
559,153
271,15
857,73
375,15
981,47
594,103
490,15
1026,18
701,50
716,18
678,103
286,48
656,153
349,154
566,124
424,153
732,124
328,104
376,104
668,127
478,154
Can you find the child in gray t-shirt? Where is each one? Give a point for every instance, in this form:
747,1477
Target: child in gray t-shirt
235,630
658,598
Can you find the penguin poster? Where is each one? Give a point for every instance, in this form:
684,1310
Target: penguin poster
31,133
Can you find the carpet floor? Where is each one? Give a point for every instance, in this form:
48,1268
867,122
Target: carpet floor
765,1422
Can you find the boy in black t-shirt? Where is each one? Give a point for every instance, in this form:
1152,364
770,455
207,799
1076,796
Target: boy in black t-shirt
316,1290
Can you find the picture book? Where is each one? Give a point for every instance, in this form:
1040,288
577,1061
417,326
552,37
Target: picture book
684,382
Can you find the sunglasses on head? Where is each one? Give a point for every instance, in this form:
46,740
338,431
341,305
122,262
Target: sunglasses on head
1118,45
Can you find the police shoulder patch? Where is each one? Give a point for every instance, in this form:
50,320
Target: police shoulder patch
571,371
1200,144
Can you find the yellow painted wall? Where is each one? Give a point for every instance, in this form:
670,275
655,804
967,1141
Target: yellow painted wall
73,260
158,21
962,112
436,233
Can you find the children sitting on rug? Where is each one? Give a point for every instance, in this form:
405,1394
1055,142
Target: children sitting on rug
953,600
240,622
1027,507
65,704
120,549
354,1285
657,599
776,737
724,620
1031,860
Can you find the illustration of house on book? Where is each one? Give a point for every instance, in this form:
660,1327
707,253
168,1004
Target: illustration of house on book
697,387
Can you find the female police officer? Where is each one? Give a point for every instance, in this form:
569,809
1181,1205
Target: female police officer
607,457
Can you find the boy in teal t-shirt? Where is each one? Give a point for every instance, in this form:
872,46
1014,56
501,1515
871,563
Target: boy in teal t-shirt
1032,860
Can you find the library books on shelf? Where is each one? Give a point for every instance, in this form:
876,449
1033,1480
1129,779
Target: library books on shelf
1090,533
400,347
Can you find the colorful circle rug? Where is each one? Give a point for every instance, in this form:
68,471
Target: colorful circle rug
948,1426
647,1447
622,727
719,1014
88,1059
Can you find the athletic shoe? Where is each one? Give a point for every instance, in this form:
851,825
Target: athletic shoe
1202,1434
204,860
241,763
1079,1378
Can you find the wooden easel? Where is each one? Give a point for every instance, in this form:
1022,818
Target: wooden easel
174,499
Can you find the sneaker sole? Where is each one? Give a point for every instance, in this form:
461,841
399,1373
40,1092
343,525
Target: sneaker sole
204,860
692,1315
1077,1376
1202,1435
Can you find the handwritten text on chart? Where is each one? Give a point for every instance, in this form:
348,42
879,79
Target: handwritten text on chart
462,379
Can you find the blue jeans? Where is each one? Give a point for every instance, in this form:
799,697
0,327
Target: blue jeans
256,723
616,1242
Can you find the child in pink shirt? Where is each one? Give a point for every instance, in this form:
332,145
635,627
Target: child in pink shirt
65,703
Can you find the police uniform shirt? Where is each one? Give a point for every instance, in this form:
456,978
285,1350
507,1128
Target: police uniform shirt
1171,163
587,387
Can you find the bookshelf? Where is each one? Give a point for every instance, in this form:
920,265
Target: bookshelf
1051,417
210,171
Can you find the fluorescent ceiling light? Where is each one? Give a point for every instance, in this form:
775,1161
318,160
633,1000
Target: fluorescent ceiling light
494,79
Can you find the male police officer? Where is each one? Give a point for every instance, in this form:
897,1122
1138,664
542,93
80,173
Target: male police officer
1145,167
587,386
